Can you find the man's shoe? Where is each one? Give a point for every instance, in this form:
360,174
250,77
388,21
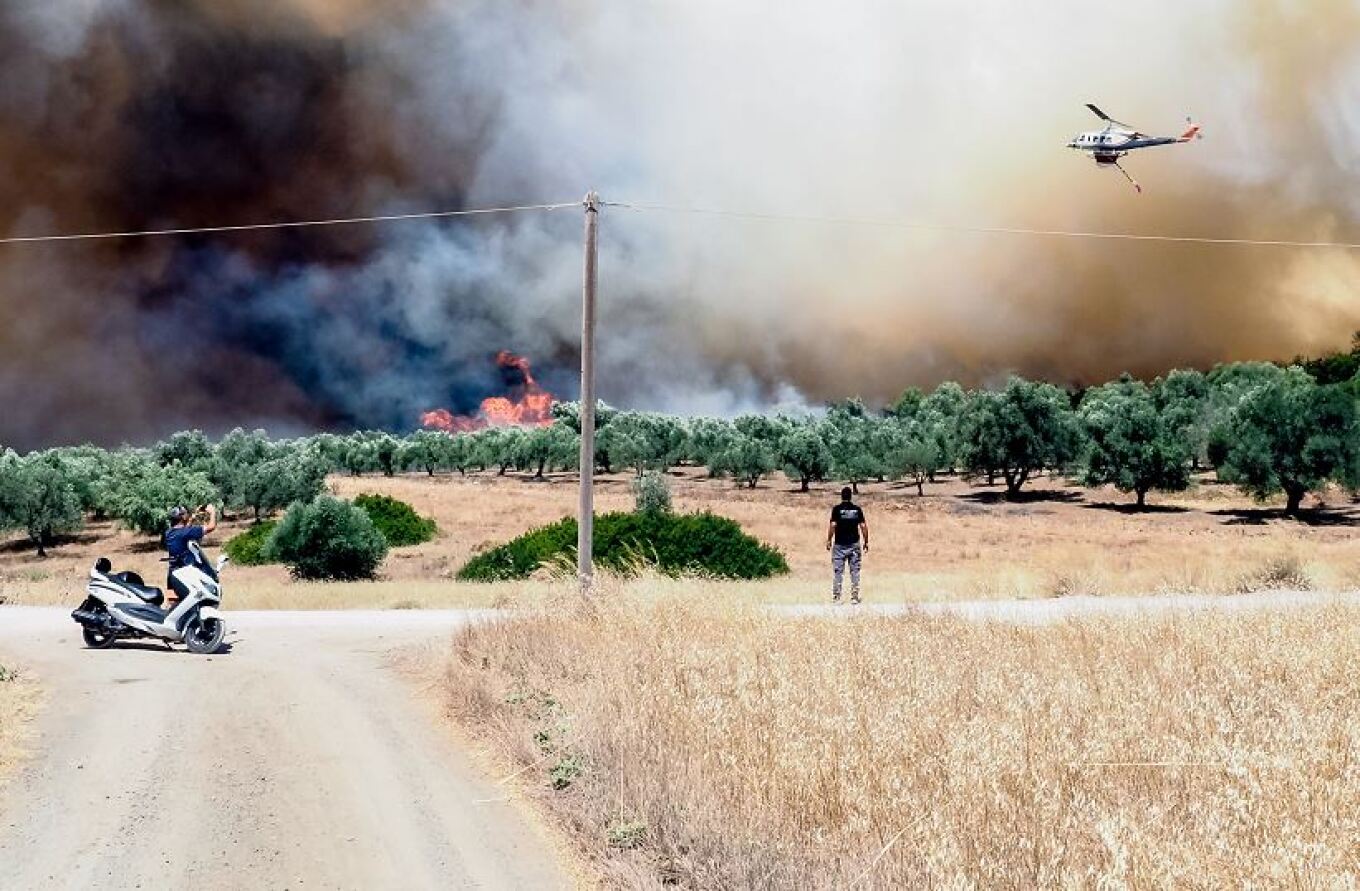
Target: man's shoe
854,599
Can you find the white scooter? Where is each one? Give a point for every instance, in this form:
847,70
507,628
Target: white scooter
121,605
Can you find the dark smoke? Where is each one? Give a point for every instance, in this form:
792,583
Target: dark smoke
125,114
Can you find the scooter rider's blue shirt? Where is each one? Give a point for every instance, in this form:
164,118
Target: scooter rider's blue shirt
177,543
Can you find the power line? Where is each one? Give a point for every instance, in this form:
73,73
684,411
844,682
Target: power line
295,224
666,208
976,230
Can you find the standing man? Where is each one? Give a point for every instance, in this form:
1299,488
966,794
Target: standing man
843,541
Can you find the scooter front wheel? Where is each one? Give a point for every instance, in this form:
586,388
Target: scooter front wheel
204,636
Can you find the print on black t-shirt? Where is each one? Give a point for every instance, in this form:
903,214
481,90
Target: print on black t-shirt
847,518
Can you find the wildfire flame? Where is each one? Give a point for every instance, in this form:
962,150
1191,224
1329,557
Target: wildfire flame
527,405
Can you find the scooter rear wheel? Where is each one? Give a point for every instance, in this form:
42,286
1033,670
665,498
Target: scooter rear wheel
204,636
97,640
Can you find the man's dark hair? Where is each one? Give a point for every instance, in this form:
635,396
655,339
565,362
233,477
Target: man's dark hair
845,494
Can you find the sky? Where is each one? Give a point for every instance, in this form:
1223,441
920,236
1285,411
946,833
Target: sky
126,114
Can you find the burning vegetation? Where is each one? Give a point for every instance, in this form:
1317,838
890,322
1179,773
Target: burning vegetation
525,405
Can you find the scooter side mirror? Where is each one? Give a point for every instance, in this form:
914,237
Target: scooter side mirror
102,565
223,560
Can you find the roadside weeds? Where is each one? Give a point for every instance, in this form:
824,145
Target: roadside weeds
19,701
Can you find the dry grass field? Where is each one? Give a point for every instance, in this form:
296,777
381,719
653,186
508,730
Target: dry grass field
958,542
712,746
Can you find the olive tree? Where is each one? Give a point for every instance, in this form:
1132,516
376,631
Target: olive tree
746,458
1017,432
569,413
643,441
385,447
1229,385
499,447
938,418
273,484
141,491
1183,398
85,468
188,447
858,443
1131,443
914,455
427,450
254,473
36,496
908,405
1289,435
805,455
358,455
555,445
707,438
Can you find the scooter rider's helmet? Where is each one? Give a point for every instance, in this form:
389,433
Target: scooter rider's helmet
178,515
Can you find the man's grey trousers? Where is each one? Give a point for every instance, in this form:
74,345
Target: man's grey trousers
840,555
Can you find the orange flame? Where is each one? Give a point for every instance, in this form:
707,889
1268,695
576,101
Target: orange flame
528,404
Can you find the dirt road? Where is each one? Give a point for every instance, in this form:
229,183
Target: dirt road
298,759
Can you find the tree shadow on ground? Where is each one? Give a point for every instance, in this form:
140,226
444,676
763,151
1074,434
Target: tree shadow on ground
1135,510
25,544
910,489
145,546
1324,516
1041,496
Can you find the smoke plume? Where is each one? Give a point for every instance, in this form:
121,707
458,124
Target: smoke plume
127,114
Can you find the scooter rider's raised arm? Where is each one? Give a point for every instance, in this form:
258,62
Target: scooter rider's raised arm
211,525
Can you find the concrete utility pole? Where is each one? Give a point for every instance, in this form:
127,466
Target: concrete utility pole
585,524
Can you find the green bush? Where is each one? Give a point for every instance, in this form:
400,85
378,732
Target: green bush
652,493
396,520
675,544
247,549
327,539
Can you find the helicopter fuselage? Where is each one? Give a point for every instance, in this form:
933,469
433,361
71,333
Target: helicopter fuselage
1108,146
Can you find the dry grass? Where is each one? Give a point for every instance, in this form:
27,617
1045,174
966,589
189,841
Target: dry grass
18,702
956,543
714,747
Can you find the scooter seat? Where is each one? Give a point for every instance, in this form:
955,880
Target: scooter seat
153,596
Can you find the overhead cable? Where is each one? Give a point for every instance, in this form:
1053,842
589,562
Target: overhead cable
976,230
293,224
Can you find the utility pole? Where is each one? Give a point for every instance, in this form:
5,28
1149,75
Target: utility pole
585,524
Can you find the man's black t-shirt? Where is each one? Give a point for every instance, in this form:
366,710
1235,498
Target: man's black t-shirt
177,543
847,517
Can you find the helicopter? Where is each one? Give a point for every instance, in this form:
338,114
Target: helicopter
1117,140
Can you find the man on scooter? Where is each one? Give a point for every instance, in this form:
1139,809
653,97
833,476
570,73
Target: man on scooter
182,531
